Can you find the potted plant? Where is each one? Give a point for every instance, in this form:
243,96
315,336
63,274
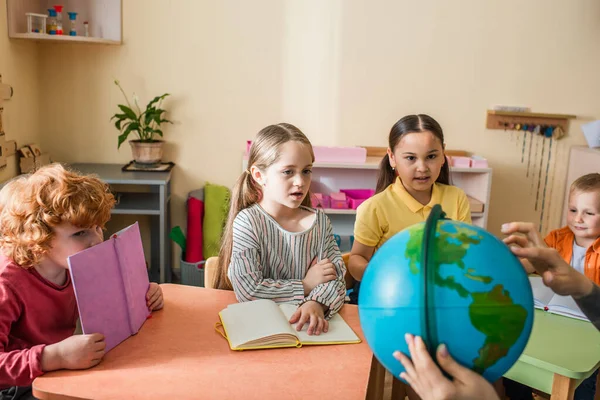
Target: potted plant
146,150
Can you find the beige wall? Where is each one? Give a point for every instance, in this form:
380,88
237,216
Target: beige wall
19,66
343,71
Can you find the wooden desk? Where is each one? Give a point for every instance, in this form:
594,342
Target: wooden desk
560,353
178,355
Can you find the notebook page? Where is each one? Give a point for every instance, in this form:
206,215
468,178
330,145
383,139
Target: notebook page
253,320
339,331
541,293
565,305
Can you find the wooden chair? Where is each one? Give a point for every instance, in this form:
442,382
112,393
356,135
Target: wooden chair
348,278
210,270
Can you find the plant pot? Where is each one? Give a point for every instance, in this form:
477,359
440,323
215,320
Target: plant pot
146,153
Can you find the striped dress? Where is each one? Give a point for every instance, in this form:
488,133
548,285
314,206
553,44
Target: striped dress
268,262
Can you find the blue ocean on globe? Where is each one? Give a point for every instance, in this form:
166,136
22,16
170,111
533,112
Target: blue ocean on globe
482,300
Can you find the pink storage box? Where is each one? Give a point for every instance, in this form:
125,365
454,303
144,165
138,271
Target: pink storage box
461,162
324,154
320,200
479,162
357,196
338,200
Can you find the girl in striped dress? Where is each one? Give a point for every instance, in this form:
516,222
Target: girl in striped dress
275,246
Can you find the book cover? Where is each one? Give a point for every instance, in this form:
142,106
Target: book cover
110,281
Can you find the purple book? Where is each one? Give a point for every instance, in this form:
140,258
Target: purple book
110,282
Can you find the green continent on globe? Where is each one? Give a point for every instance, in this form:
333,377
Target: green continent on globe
450,248
495,315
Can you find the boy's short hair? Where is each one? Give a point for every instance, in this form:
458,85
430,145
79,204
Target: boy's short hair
31,205
586,183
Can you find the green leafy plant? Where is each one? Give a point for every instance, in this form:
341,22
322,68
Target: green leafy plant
146,124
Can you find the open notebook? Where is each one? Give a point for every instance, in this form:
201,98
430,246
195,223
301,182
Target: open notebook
263,324
547,300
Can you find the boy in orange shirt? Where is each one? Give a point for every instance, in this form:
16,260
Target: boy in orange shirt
578,243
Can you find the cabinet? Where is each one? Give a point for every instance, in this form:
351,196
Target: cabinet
328,178
104,17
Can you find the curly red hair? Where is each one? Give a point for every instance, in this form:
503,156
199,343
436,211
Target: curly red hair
31,205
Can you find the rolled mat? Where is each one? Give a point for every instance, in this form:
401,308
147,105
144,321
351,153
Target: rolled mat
195,216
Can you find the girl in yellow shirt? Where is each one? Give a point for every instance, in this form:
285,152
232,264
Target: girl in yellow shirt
413,177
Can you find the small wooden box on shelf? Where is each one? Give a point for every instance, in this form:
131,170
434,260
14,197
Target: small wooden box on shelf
104,16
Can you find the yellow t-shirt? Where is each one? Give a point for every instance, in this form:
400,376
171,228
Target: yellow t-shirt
387,213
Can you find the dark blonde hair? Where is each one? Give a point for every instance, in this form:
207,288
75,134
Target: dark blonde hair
586,183
246,192
410,124
32,205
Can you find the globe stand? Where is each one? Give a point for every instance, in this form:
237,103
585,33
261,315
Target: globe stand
428,321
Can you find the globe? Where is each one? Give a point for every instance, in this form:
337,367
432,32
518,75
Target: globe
448,282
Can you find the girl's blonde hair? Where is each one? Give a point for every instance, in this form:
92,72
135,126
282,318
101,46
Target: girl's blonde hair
31,205
246,192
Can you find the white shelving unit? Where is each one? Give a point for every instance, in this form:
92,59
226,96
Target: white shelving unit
328,178
104,17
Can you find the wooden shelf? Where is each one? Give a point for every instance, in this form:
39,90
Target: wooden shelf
40,37
371,163
530,114
503,119
137,204
104,17
341,211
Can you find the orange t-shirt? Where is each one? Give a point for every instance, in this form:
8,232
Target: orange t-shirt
562,240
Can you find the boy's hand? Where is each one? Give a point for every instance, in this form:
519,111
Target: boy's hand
556,273
427,380
75,352
154,297
311,313
322,272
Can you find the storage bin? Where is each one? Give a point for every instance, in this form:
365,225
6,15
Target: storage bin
338,200
192,274
353,155
479,162
461,162
320,200
357,196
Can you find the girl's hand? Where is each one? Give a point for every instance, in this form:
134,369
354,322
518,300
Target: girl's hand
311,313
154,297
322,272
